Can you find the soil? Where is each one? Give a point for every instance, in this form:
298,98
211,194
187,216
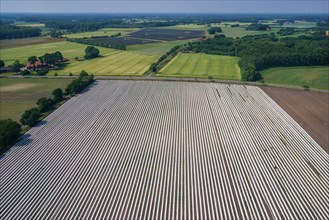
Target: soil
309,109
16,87
4,44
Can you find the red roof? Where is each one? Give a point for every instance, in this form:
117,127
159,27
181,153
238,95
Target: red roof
36,64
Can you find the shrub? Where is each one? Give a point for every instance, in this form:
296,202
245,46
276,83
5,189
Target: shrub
57,95
30,117
9,132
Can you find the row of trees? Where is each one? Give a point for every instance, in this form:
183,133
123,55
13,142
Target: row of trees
31,117
13,31
10,130
259,54
258,27
89,25
170,54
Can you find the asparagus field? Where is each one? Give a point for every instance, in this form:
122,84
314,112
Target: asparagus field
166,150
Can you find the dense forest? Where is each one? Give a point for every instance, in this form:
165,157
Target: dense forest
11,31
259,54
83,26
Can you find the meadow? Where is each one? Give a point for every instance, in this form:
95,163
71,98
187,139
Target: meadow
201,66
312,76
158,48
18,95
111,62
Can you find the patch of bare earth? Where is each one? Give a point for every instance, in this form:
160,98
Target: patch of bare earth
4,44
309,109
16,87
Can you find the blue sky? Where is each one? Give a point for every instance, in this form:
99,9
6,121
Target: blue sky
158,6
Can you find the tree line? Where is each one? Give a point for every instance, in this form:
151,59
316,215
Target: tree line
13,31
259,54
10,130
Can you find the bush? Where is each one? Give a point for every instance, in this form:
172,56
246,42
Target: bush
30,117
9,132
43,71
25,72
79,84
44,104
91,52
306,87
57,95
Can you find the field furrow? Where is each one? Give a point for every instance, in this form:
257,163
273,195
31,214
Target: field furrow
166,150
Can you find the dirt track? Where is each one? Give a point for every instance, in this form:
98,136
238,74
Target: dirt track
309,109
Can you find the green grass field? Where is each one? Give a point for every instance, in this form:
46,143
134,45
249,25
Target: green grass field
18,95
241,31
111,62
103,32
312,76
156,48
201,66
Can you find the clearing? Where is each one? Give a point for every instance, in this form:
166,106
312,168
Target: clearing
166,150
313,76
202,65
18,95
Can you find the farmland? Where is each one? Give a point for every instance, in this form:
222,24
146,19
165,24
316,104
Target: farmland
150,150
4,44
158,48
202,65
111,62
102,32
116,63
166,34
18,95
309,109
119,41
312,76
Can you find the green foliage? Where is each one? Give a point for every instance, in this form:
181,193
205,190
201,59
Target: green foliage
56,34
258,27
79,84
43,71
16,65
25,72
214,30
57,95
91,52
44,104
248,71
32,59
153,67
30,117
51,58
2,63
171,54
12,31
9,132
259,54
